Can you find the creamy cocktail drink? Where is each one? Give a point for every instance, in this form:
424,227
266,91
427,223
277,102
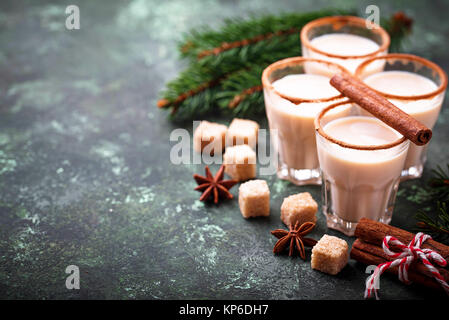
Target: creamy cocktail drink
295,123
413,86
343,40
343,45
293,98
426,111
361,159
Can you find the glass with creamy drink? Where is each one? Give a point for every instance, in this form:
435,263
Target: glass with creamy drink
293,98
361,159
413,84
345,40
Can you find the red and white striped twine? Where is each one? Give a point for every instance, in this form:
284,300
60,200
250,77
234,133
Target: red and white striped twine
404,258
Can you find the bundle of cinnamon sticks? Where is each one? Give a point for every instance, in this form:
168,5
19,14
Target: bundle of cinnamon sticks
367,249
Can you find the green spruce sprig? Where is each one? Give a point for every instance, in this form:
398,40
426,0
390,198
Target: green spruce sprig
199,41
438,226
205,75
436,189
225,65
241,92
440,183
437,195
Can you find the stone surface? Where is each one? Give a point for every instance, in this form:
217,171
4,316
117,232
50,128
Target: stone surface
84,175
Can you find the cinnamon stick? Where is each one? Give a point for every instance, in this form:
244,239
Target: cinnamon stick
382,109
374,255
366,257
374,232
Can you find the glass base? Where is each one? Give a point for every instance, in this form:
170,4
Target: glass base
414,172
348,227
299,177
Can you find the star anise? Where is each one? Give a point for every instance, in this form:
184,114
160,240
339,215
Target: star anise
214,186
294,238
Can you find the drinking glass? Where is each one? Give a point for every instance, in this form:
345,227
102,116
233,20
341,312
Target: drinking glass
422,103
352,53
359,180
293,117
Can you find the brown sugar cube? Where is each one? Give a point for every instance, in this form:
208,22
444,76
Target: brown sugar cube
330,255
242,131
240,162
211,135
254,198
298,208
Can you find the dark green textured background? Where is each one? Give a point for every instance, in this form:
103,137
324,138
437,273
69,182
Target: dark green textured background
84,175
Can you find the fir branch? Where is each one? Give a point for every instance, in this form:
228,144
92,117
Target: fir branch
439,184
242,49
437,188
245,42
441,180
437,194
208,72
256,28
200,105
242,92
190,82
437,227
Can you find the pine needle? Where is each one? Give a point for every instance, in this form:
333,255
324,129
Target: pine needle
437,227
436,194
